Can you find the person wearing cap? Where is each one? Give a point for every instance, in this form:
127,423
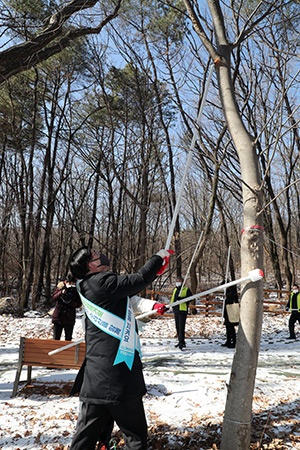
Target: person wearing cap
66,300
111,382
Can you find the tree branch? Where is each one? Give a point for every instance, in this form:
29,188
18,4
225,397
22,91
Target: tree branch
251,27
26,55
199,30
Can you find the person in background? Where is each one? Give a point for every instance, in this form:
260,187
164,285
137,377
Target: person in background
66,300
181,311
293,305
111,382
231,297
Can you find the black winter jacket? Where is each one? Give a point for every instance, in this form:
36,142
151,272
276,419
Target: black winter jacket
101,382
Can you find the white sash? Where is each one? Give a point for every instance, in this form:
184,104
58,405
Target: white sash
115,326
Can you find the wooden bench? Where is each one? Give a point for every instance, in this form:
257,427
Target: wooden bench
34,352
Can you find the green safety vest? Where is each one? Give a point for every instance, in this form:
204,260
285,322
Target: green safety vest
298,301
182,306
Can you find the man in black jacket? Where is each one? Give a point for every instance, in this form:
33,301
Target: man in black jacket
231,298
111,381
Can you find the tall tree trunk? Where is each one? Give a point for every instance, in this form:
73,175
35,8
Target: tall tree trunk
237,418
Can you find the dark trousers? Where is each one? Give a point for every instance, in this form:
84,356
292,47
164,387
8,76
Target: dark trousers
230,333
180,321
57,331
95,423
295,316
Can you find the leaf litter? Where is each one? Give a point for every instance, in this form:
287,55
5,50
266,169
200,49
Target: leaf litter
186,389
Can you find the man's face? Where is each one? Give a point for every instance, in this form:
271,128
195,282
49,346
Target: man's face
95,262
94,256
295,289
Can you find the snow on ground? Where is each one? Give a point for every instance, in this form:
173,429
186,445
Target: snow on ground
186,389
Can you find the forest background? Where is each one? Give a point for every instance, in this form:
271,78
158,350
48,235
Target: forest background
100,102
94,140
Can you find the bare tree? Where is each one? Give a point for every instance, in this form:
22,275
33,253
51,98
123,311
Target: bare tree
237,418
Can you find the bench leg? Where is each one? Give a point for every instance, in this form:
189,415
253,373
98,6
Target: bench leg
29,370
17,380
19,368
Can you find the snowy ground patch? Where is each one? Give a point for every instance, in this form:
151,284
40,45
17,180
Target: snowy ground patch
186,389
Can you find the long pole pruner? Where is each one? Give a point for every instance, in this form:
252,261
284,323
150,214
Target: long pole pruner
188,162
253,275
179,199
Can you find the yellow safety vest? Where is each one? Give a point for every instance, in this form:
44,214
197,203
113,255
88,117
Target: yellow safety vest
298,301
182,306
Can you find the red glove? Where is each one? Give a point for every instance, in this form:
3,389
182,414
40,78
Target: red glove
165,255
160,308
